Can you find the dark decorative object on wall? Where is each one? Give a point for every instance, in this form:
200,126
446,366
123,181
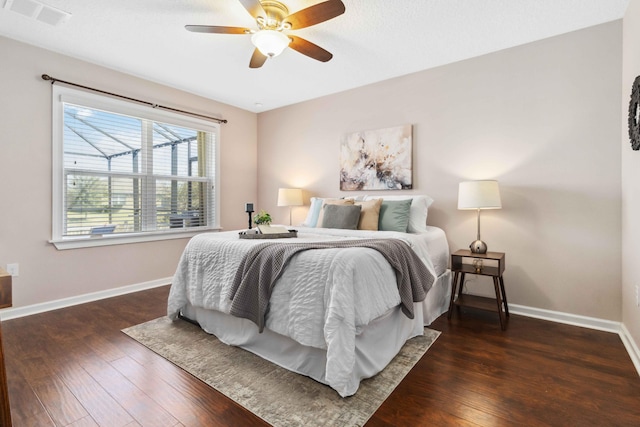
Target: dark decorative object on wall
634,115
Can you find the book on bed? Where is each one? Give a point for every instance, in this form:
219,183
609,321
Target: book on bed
272,229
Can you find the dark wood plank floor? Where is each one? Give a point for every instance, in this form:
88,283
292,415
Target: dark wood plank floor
73,367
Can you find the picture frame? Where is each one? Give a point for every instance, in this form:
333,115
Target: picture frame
378,159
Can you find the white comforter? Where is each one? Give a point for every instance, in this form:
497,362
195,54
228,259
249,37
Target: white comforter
321,300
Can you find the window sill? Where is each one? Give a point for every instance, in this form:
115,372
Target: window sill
115,239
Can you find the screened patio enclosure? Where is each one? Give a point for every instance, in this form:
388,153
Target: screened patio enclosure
124,174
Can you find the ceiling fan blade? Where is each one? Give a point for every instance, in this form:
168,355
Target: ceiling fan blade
254,8
311,50
315,14
257,59
216,29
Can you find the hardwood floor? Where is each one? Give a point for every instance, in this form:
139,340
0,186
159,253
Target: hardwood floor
73,367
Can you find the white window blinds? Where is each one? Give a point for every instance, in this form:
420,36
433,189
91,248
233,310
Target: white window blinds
122,173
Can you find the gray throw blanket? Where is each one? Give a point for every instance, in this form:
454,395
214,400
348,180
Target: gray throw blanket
264,263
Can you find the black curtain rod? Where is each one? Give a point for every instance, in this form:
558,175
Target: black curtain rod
53,80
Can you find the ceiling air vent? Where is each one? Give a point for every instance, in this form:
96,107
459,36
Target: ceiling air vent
35,10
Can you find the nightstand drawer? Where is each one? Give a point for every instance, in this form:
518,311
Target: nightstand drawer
496,268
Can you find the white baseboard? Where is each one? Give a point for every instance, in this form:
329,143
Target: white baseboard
631,346
567,318
522,310
585,322
13,313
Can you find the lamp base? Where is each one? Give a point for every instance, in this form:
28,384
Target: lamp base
478,247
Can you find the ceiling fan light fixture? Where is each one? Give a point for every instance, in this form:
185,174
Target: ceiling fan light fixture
271,43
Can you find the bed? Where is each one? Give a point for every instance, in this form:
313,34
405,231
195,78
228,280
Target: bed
325,319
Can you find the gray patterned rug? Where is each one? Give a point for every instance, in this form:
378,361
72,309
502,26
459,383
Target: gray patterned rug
290,399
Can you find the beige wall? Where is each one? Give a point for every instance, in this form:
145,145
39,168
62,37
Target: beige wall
630,176
543,119
47,274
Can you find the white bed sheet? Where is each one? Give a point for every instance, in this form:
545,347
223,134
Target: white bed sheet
314,301
318,290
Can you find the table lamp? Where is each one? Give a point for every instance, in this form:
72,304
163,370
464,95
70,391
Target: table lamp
289,197
479,195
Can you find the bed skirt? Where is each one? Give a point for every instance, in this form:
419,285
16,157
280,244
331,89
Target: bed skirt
376,345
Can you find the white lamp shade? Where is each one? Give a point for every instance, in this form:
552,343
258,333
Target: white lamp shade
289,197
479,195
271,43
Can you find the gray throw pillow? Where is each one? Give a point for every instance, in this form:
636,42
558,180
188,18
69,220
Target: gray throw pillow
341,216
394,215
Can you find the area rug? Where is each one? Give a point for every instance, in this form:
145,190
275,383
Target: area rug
278,396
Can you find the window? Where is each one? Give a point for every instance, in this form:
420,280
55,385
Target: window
125,172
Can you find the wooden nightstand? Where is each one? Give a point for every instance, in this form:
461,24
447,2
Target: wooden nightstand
460,269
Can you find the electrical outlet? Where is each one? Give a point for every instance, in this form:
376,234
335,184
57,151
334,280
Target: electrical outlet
13,269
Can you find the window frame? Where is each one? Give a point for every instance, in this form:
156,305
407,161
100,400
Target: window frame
62,95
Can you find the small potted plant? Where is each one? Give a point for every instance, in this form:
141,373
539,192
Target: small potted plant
262,218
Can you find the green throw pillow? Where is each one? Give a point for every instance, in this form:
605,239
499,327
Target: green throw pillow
394,215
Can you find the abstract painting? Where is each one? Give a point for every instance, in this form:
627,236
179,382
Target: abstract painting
377,159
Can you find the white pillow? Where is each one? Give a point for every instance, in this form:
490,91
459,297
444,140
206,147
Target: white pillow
314,211
418,212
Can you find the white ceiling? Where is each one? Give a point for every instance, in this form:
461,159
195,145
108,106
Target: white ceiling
372,41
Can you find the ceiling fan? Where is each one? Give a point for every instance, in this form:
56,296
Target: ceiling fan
273,21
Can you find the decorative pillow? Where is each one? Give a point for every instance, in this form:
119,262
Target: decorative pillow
325,202
369,214
419,210
394,215
341,216
314,212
